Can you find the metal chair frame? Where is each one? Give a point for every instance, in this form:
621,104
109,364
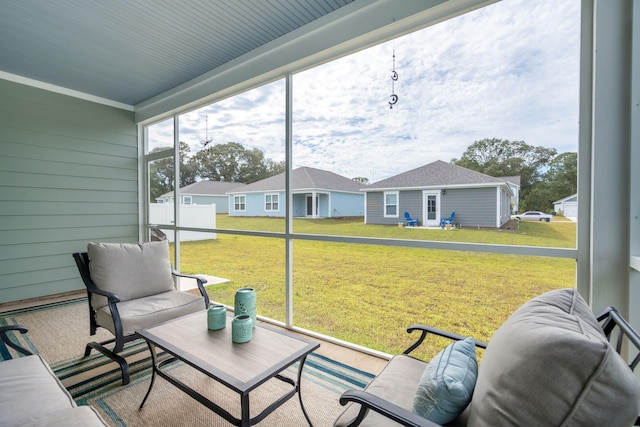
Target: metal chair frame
82,261
617,330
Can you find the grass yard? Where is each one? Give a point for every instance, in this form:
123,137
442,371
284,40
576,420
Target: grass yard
369,294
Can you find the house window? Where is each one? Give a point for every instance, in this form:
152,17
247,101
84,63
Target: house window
186,200
271,202
239,203
391,204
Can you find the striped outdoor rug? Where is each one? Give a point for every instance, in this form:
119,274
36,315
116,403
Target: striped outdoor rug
59,333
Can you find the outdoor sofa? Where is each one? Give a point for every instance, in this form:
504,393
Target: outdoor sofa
33,396
552,363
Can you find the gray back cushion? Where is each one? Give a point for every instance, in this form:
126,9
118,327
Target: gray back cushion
550,364
131,270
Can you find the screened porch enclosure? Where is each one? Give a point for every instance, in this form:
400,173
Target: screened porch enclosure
77,158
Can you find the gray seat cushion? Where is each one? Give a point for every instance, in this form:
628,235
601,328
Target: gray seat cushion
149,311
397,383
130,270
31,391
549,364
81,416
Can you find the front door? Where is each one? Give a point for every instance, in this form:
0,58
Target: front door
431,208
310,206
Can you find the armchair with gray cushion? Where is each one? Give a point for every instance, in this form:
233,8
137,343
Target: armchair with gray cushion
130,286
552,363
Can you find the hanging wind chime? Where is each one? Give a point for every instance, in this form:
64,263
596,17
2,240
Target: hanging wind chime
394,77
206,140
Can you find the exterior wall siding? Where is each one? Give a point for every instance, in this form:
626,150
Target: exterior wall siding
474,207
69,176
333,205
299,208
255,205
375,209
345,204
408,201
221,202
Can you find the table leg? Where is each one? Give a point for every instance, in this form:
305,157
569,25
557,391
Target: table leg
304,411
245,417
152,350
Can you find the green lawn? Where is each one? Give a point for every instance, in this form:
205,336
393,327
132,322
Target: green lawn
369,294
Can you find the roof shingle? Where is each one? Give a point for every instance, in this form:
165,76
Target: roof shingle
438,173
303,178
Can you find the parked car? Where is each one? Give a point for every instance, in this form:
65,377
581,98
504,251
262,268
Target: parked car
533,216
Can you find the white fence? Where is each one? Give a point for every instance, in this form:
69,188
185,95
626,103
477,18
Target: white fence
195,216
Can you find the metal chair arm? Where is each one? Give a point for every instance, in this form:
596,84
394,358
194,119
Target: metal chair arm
5,338
383,407
425,330
201,281
113,298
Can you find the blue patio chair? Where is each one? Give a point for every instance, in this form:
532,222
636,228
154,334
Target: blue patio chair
410,222
445,221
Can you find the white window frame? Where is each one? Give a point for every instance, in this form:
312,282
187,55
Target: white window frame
242,203
187,200
269,202
385,204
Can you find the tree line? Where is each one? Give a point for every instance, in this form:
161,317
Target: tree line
230,162
545,175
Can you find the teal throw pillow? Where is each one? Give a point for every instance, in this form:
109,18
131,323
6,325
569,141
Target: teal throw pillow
447,383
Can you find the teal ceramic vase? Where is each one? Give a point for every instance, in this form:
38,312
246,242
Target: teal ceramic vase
217,317
245,303
241,329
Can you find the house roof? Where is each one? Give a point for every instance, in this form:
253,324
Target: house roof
571,198
515,180
207,188
436,174
303,178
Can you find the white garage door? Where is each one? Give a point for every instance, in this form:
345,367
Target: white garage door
571,209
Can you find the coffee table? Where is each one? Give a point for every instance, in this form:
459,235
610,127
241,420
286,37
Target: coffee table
240,367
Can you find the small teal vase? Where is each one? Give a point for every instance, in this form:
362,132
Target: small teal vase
217,317
241,329
245,303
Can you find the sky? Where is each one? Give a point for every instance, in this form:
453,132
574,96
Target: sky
507,71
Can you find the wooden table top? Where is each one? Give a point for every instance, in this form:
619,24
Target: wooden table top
241,367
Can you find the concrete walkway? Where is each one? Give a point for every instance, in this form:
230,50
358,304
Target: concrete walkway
185,284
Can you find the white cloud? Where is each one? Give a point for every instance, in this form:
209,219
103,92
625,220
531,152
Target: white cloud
509,71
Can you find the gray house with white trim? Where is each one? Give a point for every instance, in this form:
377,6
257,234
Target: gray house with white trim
204,193
434,191
316,194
